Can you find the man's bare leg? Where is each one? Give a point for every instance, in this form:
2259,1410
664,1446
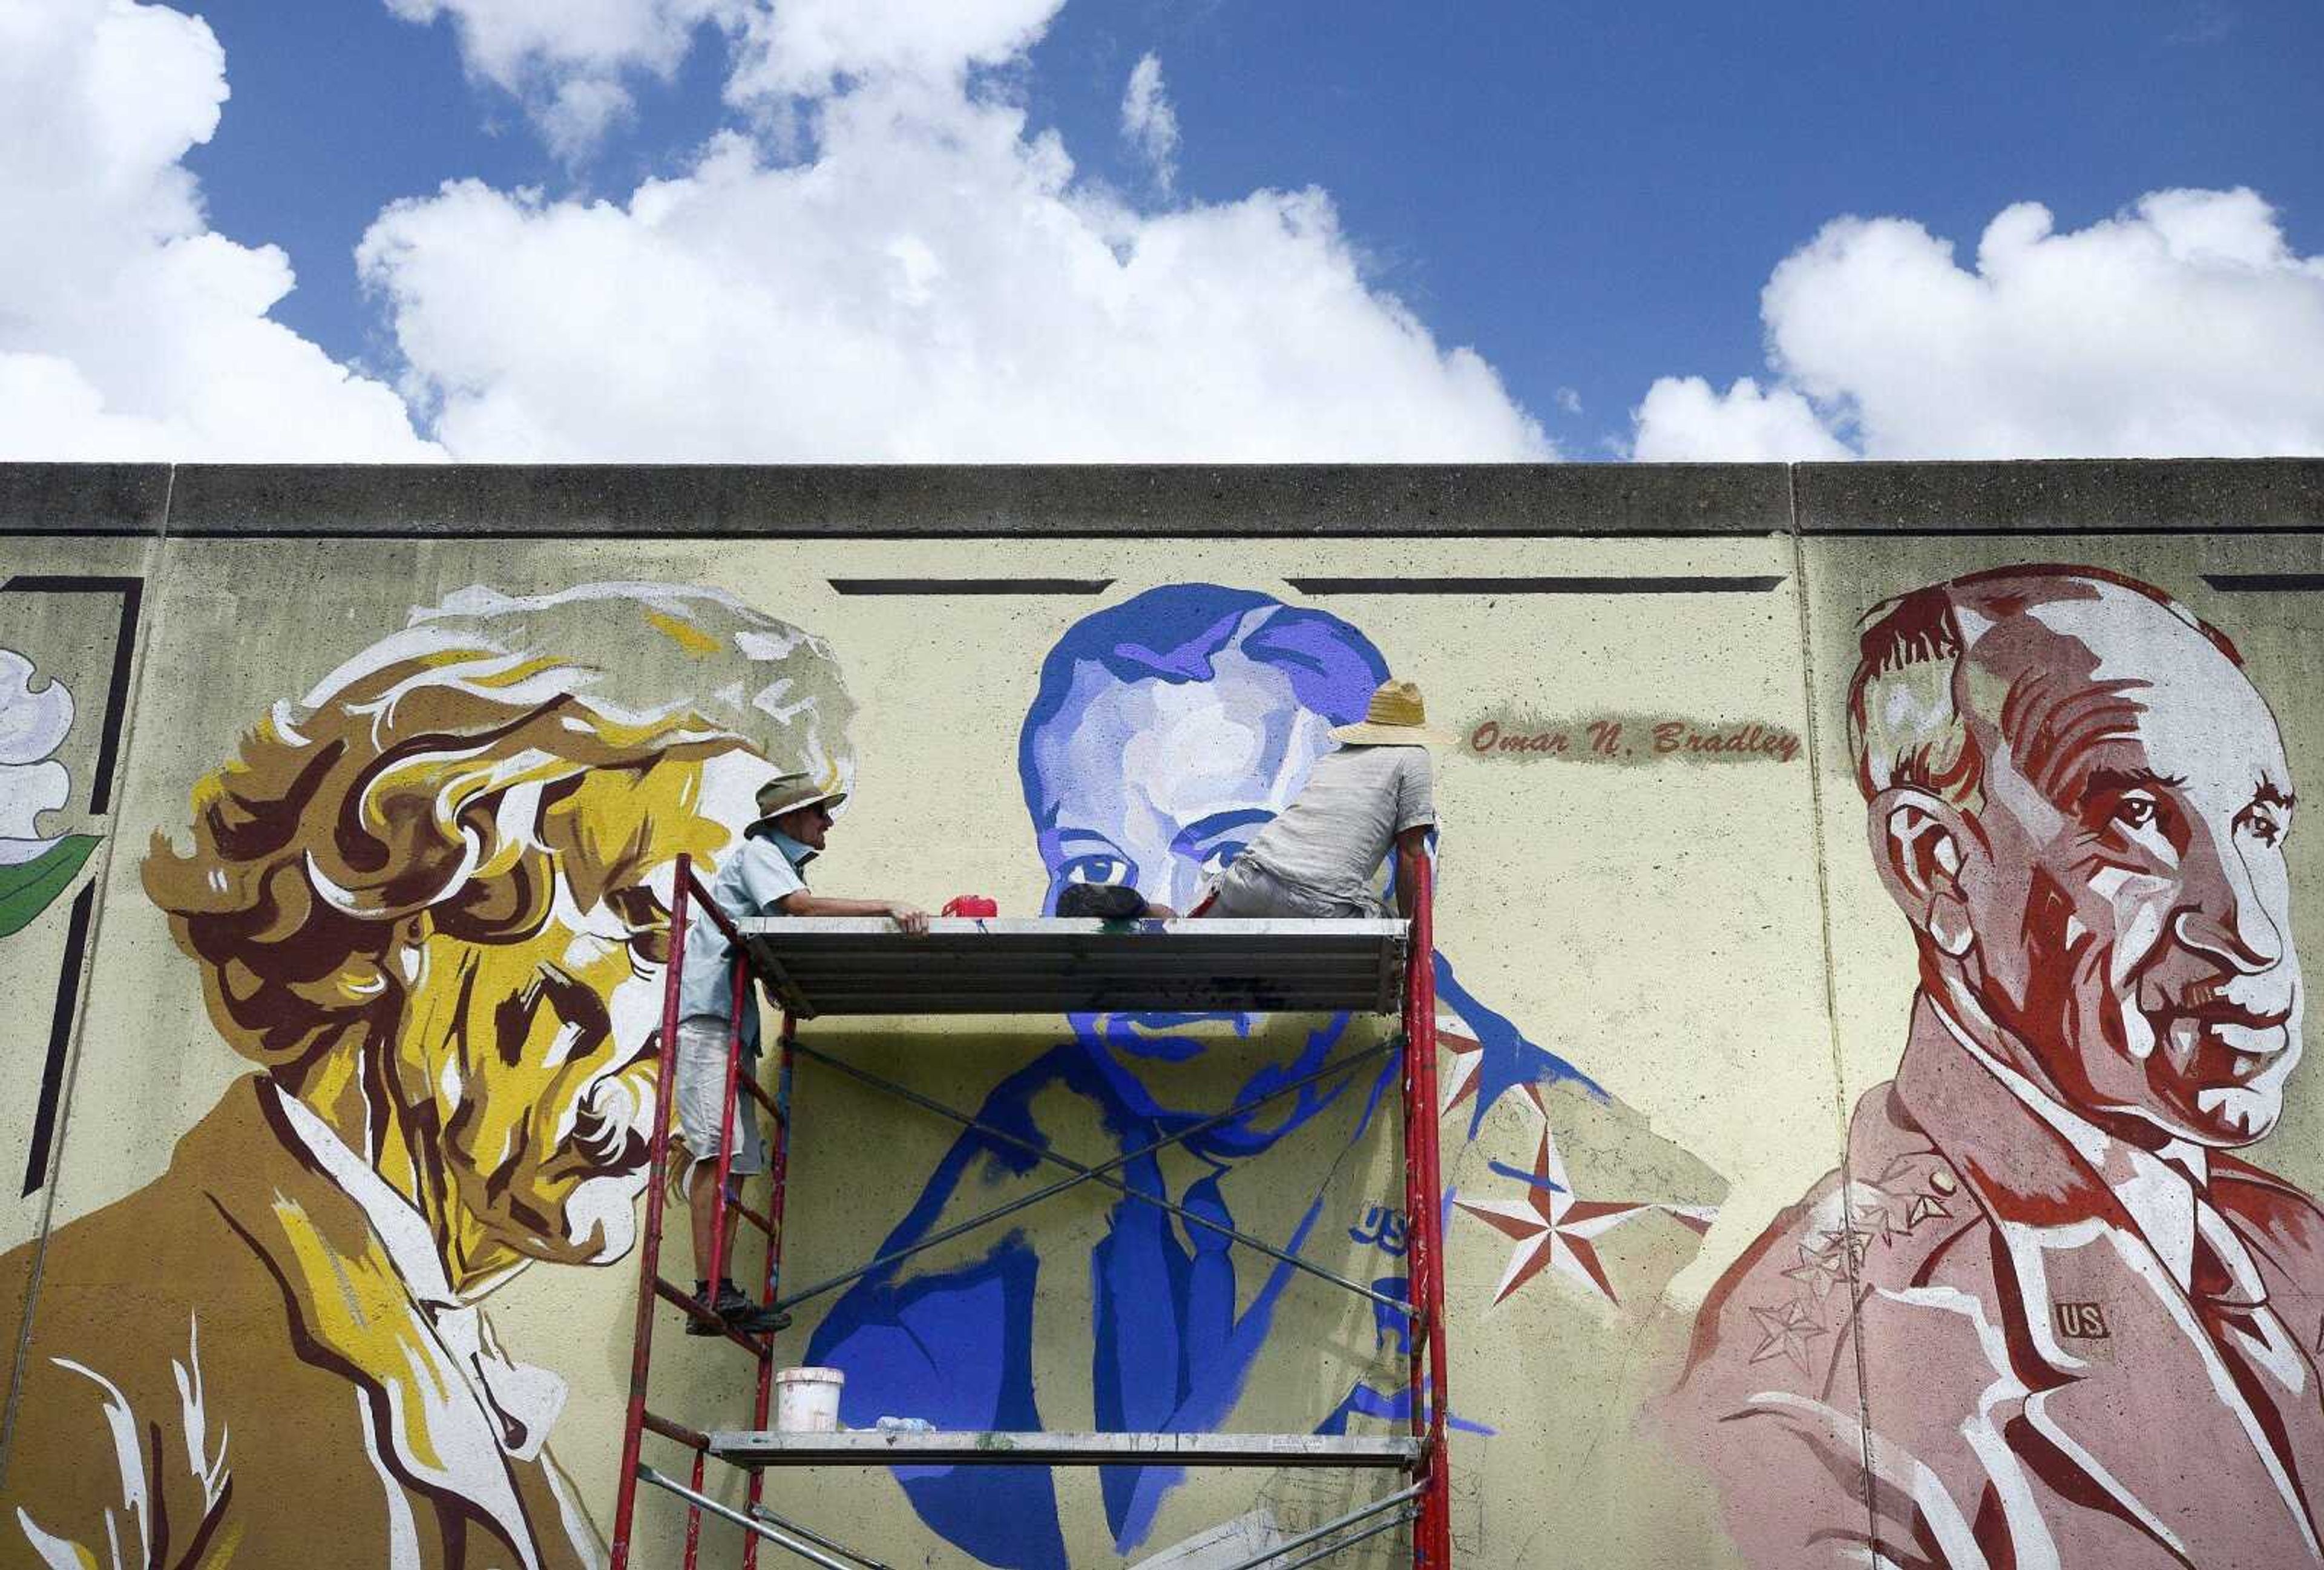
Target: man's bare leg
704,1210
702,1203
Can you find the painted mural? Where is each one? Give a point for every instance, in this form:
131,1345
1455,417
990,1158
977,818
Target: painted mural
429,904
2044,1315
1781,1231
64,664
36,714
1164,731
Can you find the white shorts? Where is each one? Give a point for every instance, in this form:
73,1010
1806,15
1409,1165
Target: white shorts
701,1077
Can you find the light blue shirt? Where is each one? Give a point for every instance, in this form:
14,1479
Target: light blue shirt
762,873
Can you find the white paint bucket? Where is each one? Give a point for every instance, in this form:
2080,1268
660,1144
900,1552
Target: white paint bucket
806,1400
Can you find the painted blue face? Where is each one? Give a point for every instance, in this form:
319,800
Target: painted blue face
1159,785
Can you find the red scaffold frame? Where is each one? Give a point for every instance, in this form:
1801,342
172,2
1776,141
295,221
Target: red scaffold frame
1423,1181
1424,1504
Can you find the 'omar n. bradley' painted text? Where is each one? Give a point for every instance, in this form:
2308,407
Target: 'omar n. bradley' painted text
1632,739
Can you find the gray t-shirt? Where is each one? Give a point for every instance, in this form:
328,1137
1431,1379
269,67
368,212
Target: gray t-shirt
1332,840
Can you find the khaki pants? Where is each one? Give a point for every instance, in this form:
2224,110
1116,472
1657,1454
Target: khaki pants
1250,891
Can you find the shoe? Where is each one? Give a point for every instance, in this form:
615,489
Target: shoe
741,1314
711,1327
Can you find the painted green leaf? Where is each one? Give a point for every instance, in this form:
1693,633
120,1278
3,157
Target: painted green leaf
31,888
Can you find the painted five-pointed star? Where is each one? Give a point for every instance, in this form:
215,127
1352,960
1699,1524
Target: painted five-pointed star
1788,1328
1551,1226
1821,1268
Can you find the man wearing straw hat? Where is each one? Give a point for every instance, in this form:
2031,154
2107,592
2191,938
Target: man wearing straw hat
761,878
1322,856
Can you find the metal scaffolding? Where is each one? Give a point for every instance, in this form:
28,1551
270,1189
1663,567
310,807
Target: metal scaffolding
819,967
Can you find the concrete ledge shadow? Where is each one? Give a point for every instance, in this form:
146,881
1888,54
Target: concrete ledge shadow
613,501
981,500
83,498
2103,495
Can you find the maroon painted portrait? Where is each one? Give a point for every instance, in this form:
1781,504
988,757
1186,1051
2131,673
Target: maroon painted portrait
2045,1314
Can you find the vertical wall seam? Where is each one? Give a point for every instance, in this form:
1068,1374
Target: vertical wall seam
1831,1010
156,547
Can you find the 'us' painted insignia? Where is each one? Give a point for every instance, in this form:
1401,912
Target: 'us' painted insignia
2082,1321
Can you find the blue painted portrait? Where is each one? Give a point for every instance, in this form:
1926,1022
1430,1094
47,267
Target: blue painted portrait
1163,733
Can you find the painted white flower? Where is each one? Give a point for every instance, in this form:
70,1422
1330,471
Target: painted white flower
33,720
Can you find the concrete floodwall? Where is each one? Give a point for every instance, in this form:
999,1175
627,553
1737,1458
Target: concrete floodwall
336,806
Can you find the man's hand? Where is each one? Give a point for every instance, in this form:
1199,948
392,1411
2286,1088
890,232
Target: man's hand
910,919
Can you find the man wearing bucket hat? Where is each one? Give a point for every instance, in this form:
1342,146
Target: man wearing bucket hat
763,877
1321,856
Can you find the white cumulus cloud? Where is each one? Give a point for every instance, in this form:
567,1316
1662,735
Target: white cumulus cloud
1686,418
1149,123
886,263
2184,326
928,280
568,59
128,329
807,48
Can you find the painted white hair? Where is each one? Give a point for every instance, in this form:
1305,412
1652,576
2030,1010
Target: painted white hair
422,775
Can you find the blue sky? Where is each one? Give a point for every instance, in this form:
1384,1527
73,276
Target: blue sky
1589,196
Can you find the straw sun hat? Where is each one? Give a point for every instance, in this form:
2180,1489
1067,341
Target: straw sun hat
1395,718
789,793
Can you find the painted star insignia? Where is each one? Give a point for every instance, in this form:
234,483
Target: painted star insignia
1857,1244
1787,1330
1552,1227
1872,1219
1820,1270
1465,1055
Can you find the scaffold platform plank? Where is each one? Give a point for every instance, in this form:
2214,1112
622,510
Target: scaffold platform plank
879,1447
821,966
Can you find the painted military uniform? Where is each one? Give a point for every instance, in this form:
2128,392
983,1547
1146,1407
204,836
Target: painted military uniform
250,1362
2058,1368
